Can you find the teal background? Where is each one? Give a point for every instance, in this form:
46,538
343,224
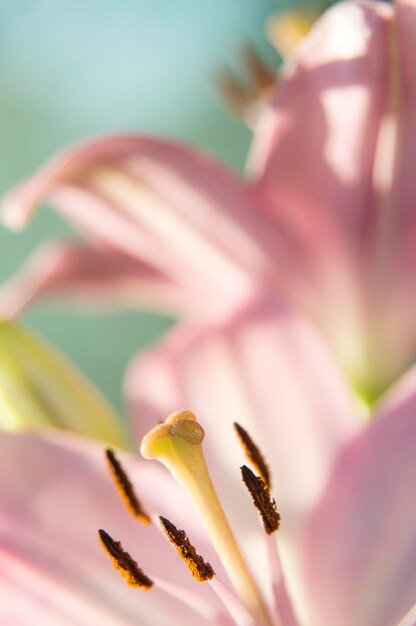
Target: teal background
74,68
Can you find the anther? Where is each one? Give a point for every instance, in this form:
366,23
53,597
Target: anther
256,68
236,95
260,493
123,562
200,570
253,454
245,94
125,488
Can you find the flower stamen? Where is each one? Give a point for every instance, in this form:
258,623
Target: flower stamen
135,577
260,493
245,92
253,454
125,488
123,562
200,569
259,488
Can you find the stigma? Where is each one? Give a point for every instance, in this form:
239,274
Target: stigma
178,444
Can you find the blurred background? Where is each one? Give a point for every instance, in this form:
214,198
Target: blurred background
73,69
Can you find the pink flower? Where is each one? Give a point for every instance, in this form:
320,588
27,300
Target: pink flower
354,562
325,224
253,280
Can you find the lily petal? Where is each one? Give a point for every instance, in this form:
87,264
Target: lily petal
343,114
166,205
360,545
92,277
328,105
55,496
410,618
400,395
266,370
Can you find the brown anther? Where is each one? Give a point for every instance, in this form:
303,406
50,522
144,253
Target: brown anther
262,500
261,75
236,94
125,488
123,562
245,92
253,454
200,570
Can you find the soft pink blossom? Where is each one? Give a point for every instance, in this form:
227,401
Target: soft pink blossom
325,224
354,562
324,228
315,248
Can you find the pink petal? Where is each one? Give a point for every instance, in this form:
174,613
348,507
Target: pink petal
55,494
331,122
177,210
405,209
94,277
360,545
325,120
343,116
410,618
265,370
399,396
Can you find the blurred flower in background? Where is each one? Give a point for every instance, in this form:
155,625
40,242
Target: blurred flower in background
337,247
72,70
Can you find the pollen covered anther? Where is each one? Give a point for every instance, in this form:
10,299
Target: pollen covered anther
200,570
125,488
261,497
256,68
123,562
253,453
245,92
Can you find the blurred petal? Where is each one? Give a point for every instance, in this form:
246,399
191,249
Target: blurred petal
324,123
265,370
40,388
410,618
56,494
405,209
328,106
343,115
399,396
93,277
177,210
360,545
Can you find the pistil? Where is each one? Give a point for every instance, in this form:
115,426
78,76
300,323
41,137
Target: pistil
177,443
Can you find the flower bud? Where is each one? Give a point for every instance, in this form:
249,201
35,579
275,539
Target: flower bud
40,388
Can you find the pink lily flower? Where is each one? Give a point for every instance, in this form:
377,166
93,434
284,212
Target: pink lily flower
326,222
153,215
355,557
167,226
345,491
